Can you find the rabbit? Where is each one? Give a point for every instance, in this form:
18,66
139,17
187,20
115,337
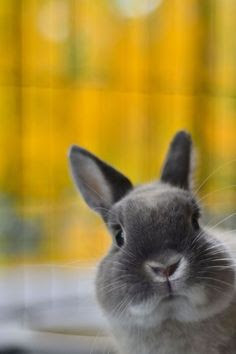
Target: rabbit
167,284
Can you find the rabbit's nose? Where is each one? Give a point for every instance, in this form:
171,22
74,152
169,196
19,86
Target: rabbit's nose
163,271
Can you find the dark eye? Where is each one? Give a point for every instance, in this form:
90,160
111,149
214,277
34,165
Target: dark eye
195,222
119,236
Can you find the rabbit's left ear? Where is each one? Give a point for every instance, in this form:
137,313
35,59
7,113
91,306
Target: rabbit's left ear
177,167
99,183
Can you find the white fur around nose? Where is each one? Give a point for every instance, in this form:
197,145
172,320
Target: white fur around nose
180,271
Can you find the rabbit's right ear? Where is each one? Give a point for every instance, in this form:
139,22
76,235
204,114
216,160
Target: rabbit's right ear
177,168
100,184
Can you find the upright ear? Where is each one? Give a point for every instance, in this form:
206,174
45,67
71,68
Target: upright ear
100,184
177,167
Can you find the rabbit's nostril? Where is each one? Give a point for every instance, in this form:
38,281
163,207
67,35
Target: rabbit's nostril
156,270
164,271
171,269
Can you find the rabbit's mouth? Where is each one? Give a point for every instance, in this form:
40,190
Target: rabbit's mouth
173,297
154,311
143,308
147,307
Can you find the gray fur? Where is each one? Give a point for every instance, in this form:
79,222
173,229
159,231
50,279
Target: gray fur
192,311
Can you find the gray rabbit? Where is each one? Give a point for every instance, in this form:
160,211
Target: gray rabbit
167,284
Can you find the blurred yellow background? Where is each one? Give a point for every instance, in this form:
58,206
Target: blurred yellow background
117,77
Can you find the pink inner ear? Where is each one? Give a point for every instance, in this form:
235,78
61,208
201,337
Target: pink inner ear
92,183
99,183
99,190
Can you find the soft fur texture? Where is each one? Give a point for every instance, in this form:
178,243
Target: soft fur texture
167,285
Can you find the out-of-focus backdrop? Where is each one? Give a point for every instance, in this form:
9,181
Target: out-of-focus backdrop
117,77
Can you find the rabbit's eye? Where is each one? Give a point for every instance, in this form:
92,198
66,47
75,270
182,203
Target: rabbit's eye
119,236
195,222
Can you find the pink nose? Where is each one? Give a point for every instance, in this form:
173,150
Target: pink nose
165,271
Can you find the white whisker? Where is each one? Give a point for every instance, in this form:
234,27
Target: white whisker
212,174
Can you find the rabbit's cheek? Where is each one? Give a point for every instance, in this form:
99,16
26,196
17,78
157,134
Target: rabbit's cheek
197,295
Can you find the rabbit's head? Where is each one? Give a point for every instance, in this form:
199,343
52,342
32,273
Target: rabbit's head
162,264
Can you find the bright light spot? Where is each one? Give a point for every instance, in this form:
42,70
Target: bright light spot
53,20
137,8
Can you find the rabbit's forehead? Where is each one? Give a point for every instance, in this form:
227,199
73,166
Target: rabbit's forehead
148,201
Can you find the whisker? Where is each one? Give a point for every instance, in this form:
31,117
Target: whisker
127,253
118,306
115,288
212,174
215,191
198,237
125,263
221,267
216,260
125,306
217,280
215,288
219,246
120,280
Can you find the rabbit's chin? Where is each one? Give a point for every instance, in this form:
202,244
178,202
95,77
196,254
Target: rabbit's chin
191,306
